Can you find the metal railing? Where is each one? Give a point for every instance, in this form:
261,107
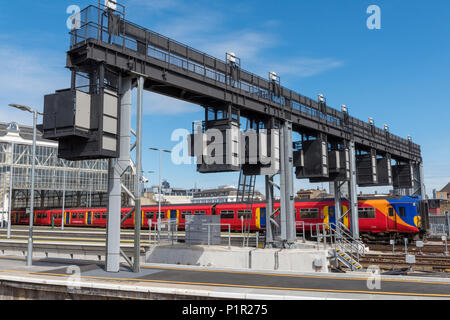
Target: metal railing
220,225
93,27
160,229
336,236
168,230
439,225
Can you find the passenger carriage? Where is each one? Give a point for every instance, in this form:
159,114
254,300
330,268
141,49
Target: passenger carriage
377,216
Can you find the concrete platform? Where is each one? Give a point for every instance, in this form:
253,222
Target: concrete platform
63,279
296,260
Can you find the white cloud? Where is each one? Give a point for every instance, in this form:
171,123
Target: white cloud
302,67
159,104
26,77
246,44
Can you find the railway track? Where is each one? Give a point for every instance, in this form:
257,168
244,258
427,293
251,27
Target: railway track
412,249
398,261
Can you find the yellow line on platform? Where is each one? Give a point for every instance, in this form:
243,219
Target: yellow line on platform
238,286
267,274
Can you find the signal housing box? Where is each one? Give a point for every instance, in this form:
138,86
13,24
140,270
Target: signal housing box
85,125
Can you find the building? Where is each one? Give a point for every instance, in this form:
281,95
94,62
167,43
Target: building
445,206
312,194
169,195
84,183
444,194
223,194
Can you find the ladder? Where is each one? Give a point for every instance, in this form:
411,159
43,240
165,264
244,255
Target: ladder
245,194
246,188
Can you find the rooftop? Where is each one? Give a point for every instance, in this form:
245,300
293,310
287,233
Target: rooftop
446,188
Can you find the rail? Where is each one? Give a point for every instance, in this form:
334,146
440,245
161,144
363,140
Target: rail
220,225
172,231
336,236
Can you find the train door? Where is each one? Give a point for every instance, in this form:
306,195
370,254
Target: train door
391,219
67,217
89,218
424,222
331,215
173,218
261,218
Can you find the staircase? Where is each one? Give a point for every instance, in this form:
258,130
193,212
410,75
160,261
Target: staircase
347,260
347,249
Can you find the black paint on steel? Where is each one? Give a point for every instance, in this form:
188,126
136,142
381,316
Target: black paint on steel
178,71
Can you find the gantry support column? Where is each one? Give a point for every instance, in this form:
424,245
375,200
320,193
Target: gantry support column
137,186
269,211
337,204
353,193
116,167
287,214
418,181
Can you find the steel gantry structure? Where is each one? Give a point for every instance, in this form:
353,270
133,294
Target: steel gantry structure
84,181
113,55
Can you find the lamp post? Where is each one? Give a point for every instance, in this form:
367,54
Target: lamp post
159,196
64,197
11,176
3,199
33,155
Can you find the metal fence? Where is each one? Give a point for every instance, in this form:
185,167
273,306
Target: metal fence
439,225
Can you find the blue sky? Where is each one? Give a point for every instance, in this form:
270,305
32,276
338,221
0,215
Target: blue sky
398,75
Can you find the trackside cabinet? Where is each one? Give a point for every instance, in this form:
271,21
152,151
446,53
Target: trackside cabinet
85,125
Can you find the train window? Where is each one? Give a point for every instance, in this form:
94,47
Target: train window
401,211
366,213
81,216
59,215
149,215
74,215
97,215
201,212
391,212
227,214
309,213
185,213
104,215
44,216
244,213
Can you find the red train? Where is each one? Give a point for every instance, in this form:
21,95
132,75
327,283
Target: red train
402,215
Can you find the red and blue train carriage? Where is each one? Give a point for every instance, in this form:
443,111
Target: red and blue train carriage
377,216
